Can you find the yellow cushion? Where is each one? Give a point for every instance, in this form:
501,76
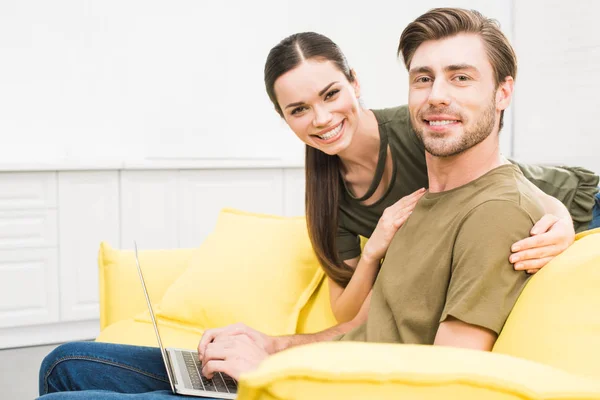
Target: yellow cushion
254,268
556,320
138,333
121,294
346,370
316,315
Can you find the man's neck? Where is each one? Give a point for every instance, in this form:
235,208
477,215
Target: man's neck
447,173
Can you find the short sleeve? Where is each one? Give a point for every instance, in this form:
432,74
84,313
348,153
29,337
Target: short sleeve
484,285
348,244
575,187
357,334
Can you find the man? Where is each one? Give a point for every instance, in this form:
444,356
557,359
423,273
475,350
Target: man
445,279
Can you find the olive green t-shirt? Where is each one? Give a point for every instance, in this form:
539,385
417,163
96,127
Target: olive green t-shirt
450,258
574,187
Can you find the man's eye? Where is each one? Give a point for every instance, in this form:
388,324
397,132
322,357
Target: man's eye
423,79
462,78
298,110
331,94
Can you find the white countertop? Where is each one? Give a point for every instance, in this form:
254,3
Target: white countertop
150,164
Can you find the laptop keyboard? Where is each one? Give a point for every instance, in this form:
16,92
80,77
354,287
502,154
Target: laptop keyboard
220,383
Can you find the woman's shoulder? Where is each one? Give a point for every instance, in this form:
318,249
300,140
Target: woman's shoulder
393,116
395,122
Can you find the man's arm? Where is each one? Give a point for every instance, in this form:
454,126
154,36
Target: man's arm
237,348
483,286
456,333
550,236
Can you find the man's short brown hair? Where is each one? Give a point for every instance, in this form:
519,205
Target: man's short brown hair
441,23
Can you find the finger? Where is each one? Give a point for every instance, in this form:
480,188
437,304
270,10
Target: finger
399,210
209,368
532,271
544,224
219,350
411,198
207,337
400,221
532,264
408,208
211,334
532,242
534,254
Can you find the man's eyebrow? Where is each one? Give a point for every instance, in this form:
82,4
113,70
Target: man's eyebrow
460,67
449,68
420,70
299,103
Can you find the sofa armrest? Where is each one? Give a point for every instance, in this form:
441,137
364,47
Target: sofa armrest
121,294
352,370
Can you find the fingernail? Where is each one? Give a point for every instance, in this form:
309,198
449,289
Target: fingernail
515,248
518,266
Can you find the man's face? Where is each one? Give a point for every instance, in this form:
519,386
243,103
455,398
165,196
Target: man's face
453,100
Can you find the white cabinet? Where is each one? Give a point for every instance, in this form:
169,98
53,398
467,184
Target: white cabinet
204,193
51,225
28,287
89,213
28,249
149,209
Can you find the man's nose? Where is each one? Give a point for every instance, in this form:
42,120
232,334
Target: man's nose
440,93
322,116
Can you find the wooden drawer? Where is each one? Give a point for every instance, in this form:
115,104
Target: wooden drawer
28,229
29,287
27,190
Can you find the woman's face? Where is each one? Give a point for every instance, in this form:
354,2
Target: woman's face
319,105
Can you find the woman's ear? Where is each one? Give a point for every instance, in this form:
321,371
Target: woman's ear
355,84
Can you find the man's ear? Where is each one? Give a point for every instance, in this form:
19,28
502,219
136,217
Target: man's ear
355,84
504,93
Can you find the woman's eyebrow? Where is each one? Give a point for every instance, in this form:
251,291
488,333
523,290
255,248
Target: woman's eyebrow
299,103
326,88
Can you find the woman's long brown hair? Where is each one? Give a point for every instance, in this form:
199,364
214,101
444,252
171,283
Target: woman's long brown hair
322,170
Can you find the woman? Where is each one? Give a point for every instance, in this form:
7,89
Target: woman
350,148
365,170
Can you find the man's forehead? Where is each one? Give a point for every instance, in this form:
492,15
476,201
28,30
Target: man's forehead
461,49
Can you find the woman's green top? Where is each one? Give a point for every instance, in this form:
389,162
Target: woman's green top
574,187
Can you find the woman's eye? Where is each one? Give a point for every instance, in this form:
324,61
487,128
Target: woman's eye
331,93
298,110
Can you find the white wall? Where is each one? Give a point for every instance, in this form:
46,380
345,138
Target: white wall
558,87
124,80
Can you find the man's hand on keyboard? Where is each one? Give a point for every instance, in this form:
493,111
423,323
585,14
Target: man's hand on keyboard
230,354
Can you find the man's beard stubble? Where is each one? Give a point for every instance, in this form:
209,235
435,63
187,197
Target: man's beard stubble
442,147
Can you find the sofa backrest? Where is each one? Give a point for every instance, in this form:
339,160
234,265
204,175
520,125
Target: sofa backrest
556,320
316,314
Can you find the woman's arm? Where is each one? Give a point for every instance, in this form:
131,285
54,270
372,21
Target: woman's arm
550,236
346,302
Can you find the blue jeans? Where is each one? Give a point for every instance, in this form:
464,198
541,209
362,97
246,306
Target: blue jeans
596,213
91,370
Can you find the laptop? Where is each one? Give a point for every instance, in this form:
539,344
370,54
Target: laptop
184,368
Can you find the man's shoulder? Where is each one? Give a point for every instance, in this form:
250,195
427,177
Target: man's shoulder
501,190
504,183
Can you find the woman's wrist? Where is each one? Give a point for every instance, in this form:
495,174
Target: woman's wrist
368,258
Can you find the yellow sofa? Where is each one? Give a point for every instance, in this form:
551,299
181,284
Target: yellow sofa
548,349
